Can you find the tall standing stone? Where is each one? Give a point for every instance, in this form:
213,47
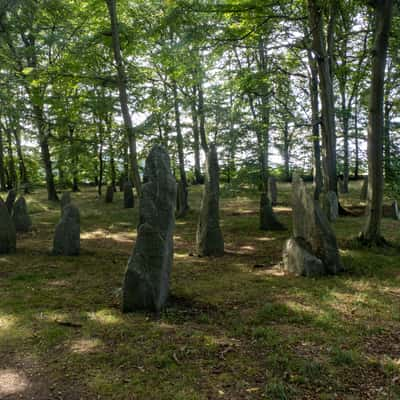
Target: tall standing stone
109,194
129,200
313,237
22,220
65,200
67,235
364,189
268,220
209,238
11,196
146,282
330,205
273,190
8,237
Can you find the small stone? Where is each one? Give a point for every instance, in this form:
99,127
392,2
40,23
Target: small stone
22,220
67,235
8,237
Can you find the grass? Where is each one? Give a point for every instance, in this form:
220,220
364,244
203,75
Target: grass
230,331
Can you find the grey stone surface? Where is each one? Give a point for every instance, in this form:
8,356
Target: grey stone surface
209,237
364,189
268,220
299,260
129,200
65,200
273,190
22,220
109,194
10,200
146,282
394,211
311,225
8,237
67,235
330,205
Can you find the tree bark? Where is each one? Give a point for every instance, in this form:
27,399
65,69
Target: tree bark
196,137
2,167
22,168
383,18
123,96
326,95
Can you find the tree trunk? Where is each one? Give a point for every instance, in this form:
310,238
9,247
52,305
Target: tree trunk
184,206
74,154
12,174
326,95
196,137
345,123
383,18
356,143
123,96
22,168
2,167
202,118
100,156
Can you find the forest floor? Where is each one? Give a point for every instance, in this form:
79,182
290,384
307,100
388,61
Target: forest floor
235,327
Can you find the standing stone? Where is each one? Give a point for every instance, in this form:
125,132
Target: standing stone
22,220
65,200
8,237
394,211
273,190
209,237
364,189
268,220
12,195
146,282
313,236
129,201
67,235
109,194
181,200
330,205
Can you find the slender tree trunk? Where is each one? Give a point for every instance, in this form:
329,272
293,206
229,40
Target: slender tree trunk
286,153
12,174
326,94
22,168
74,154
356,143
2,166
123,96
196,137
345,123
202,119
383,18
387,140
100,156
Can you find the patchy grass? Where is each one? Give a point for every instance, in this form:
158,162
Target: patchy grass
230,331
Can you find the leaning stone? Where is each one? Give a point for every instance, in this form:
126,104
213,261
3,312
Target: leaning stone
311,224
330,205
364,189
8,237
298,259
129,200
12,195
268,220
209,237
65,200
67,235
22,220
146,282
109,194
181,200
273,190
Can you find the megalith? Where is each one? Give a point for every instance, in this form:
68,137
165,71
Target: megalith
67,235
22,220
330,205
8,237
109,194
10,200
364,189
146,281
312,236
273,190
209,237
268,220
65,200
129,200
